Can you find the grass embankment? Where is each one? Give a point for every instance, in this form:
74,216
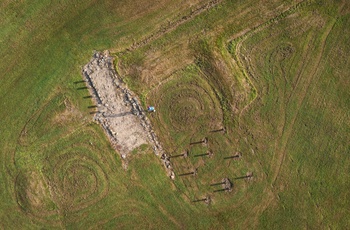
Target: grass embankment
276,79
281,88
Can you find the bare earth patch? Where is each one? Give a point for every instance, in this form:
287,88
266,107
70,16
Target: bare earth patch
113,112
119,110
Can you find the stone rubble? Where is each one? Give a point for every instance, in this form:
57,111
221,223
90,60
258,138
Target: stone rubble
227,184
119,111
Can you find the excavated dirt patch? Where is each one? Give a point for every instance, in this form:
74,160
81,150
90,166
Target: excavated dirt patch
114,113
118,109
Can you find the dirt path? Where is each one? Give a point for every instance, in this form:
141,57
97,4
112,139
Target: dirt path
118,109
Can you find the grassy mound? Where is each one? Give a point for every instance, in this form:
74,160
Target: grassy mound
187,105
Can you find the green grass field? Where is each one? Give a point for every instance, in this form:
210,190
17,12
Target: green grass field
274,74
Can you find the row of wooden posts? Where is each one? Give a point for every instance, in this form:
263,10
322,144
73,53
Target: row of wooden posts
226,184
226,181
209,153
228,187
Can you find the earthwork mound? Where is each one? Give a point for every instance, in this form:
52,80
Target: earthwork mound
187,103
34,197
78,174
68,175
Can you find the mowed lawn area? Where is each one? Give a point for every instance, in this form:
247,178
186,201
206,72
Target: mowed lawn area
265,83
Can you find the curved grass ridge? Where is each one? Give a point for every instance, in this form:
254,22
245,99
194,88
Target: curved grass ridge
281,105
188,110
33,196
80,178
64,177
186,103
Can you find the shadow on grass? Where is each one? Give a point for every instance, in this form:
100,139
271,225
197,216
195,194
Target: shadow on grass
77,82
80,88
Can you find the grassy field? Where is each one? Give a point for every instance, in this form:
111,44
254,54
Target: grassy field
274,74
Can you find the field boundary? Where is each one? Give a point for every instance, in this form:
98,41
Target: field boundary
173,25
238,41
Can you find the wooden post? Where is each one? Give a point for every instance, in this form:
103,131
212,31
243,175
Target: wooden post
209,154
185,154
221,190
200,155
194,201
186,174
205,140
218,130
207,200
197,142
180,155
226,185
249,175
237,155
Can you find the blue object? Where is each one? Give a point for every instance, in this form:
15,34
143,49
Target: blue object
151,109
